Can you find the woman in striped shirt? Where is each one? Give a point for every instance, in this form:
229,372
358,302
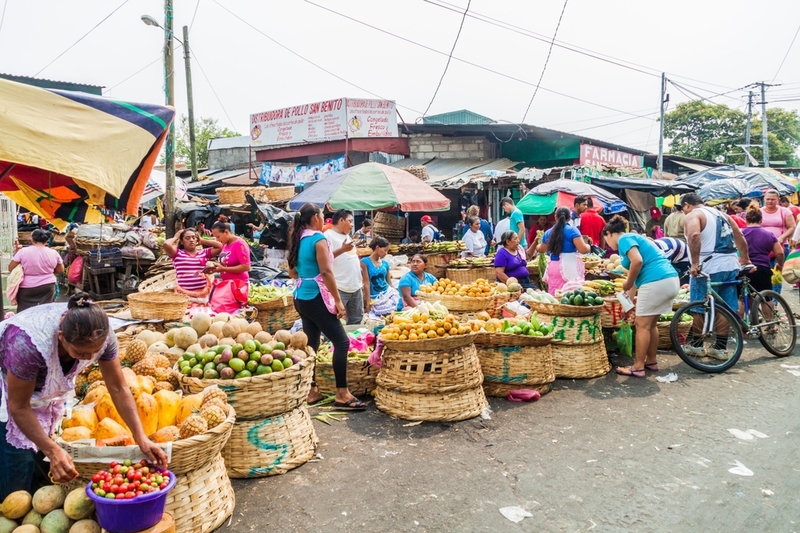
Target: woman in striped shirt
190,254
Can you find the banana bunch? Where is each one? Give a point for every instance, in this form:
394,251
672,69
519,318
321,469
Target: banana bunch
443,247
601,287
471,262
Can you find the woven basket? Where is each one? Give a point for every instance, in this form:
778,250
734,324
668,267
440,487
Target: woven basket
501,390
574,330
389,220
458,303
466,276
360,377
430,372
435,260
202,499
580,361
157,305
664,340
261,396
511,366
277,314
231,195
564,310
500,299
279,194
270,446
612,314
429,345
165,282
420,171
491,340
447,407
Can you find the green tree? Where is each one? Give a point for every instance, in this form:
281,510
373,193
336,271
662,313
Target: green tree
205,129
708,131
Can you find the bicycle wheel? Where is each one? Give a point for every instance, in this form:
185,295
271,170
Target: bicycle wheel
705,348
779,336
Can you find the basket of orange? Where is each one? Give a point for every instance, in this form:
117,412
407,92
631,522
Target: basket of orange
475,296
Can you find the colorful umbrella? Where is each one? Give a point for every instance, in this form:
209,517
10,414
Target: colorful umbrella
545,198
372,186
66,153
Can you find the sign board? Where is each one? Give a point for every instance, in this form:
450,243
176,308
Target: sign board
324,121
272,173
595,155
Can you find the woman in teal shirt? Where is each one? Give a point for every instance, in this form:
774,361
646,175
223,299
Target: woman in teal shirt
375,274
657,285
316,299
411,282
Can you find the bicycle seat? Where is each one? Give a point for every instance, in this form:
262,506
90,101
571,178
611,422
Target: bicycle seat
745,269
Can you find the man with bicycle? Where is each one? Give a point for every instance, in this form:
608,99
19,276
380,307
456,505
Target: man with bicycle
713,240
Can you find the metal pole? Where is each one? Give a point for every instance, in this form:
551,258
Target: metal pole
190,102
169,88
661,126
764,137
747,130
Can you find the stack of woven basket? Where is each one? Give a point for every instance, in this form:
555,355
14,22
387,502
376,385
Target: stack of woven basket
578,347
389,227
277,314
433,380
511,362
273,432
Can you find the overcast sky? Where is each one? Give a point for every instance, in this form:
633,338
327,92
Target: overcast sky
706,46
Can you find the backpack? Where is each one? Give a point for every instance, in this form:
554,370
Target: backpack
723,241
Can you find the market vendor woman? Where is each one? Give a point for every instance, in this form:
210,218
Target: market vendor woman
412,280
42,351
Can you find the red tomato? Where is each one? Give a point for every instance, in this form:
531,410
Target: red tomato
113,464
96,478
120,496
123,487
106,486
114,489
129,495
137,484
137,476
116,469
139,493
163,486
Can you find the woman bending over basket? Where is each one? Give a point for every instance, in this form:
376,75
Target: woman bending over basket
375,273
562,243
317,300
657,283
190,254
412,281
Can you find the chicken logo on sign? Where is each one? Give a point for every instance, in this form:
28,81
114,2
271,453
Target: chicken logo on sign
255,133
354,124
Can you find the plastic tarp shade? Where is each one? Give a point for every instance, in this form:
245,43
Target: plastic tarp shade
760,178
654,187
728,189
533,204
276,224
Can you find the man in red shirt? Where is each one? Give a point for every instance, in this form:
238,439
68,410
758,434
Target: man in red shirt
790,206
592,224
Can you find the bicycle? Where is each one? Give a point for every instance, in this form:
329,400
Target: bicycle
715,341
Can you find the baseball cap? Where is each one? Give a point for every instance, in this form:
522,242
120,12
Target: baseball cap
655,212
427,218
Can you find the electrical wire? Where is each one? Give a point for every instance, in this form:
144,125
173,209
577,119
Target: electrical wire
466,62
786,55
196,6
610,123
197,60
134,74
449,57
546,60
3,15
323,69
82,37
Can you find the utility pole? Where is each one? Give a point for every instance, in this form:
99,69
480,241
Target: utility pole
661,126
190,102
169,88
764,136
747,129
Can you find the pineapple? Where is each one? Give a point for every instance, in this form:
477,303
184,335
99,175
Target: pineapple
161,361
217,402
162,374
81,385
194,425
163,385
145,367
166,434
211,393
94,385
213,414
135,352
94,374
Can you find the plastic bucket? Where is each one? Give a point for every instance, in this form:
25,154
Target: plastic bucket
129,516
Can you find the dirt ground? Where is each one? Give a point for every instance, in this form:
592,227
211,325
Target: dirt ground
607,454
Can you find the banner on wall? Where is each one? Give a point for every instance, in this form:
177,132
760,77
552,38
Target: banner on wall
595,155
271,172
324,121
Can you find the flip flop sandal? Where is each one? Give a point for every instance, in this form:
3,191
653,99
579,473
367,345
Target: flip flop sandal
652,367
353,404
629,371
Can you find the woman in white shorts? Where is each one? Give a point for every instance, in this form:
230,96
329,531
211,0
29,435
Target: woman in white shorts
657,285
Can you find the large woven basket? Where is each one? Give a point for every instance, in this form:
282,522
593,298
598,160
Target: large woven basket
435,260
442,407
564,310
466,276
157,305
512,367
279,194
580,361
165,282
430,372
612,314
277,314
270,446
231,195
360,377
261,396
458,303
202,499
574,330
427,345
664,340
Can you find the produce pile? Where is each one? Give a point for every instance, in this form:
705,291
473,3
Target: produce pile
129,480
667,317
477,289
421,325
51,509
614,264
267,293
603,287
472,262
579,298
513,326
443,247
165,415
532,295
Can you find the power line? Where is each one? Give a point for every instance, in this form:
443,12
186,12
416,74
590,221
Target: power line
196,6
610,123
449,57
786,55
79,40
546,61
466,62
134,74
197,60
3,16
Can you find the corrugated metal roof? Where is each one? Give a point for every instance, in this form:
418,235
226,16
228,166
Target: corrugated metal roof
454,173
462,116
225,143
214,176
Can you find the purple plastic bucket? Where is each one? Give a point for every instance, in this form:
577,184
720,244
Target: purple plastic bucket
129,516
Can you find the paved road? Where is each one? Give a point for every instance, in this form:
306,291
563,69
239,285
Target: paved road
609,454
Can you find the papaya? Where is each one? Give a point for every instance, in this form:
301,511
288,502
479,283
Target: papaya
109,428
16,505
122,440
188,405
132,380
93,395
82,415
56,522
105,408
85,526
168,406
147,406
77,504
76,433
48,498
146,384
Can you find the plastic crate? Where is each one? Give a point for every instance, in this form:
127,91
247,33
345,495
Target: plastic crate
111,257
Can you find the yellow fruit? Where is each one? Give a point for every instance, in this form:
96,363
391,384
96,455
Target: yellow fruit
188,405
147,407
108,429
132,380
166,434
94,394
16,505
163,385
146,384
105,408
48,498
135,352
82,416
76,433
169,404
213,414
145,367
77,505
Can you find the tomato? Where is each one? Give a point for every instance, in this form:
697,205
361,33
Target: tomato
114,489
112,464
139,493
129,495
101,493
145,470
127,462
144,487
110,496
123,487
96,478
137,484
120,496
116,469
163,486
137,476
106,486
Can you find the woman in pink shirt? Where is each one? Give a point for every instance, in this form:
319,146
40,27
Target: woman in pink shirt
776,219
233,268
40,265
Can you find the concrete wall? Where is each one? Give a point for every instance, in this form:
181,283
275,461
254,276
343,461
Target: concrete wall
229,158
427,146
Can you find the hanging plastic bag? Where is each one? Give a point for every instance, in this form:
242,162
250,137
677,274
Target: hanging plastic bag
625,339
